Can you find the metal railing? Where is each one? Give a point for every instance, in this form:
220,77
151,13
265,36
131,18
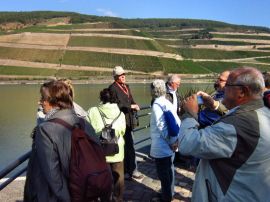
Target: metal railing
12,166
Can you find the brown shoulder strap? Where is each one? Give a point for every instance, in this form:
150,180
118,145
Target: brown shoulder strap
67,125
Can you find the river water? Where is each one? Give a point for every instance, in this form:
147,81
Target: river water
18,114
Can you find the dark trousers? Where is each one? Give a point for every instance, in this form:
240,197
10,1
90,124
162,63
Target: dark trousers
165,175
129,159
118,179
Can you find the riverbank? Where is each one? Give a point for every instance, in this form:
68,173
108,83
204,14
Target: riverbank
186,78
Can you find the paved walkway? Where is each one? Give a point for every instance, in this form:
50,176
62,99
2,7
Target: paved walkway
135,191
148,188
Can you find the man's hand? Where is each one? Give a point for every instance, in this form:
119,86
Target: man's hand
135,107
174,146
191,105
208,101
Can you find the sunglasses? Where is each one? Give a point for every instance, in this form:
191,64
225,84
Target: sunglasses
222,80
228,84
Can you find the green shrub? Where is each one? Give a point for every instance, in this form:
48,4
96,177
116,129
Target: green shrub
115,43
218,54
12,70
95,59
38,55
183,67
218,67
266,60
29,71
235,36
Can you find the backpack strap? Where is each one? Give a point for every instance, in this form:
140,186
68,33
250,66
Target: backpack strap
103,119
67,125
116,118
102,116
160,106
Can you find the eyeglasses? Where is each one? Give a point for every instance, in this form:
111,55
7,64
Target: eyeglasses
222,80
228,84
43,98
176,83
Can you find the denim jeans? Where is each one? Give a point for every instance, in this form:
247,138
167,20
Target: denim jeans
165,172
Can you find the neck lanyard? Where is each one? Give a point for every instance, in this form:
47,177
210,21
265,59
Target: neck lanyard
123,88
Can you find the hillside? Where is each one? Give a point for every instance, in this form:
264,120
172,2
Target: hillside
41,44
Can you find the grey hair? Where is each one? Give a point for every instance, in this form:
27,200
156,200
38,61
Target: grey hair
158,88
250,77
173,78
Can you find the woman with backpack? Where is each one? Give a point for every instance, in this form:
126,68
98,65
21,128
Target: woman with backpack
48,172
105,114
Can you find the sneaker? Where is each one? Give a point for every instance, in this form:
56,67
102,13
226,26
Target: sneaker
137,175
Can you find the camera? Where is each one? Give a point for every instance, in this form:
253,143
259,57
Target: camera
199,99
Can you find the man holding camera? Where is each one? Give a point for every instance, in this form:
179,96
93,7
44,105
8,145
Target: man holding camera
214,107
234,151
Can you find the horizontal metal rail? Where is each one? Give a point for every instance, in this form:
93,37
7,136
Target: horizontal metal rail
140,141
26,156
141,128
146,114
14,164
145,107
13,177
11,167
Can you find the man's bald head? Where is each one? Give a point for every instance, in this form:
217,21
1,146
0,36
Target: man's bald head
243,85
248,76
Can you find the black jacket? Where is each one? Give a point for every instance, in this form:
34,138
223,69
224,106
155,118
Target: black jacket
124,102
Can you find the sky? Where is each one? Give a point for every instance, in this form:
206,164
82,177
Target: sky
241,12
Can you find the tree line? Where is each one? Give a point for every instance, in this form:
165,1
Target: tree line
151,23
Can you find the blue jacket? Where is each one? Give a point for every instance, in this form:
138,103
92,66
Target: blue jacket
207,117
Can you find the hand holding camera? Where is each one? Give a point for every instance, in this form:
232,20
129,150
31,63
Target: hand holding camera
207,100
199,100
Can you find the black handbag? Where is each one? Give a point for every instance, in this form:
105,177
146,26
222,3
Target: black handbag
108,139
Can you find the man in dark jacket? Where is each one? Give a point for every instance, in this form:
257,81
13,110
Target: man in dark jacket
172,95
128,106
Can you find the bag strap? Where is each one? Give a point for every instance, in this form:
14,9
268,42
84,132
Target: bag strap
103,119
67,125
116,118
159,106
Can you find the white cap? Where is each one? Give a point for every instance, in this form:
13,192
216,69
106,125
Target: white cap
118,70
